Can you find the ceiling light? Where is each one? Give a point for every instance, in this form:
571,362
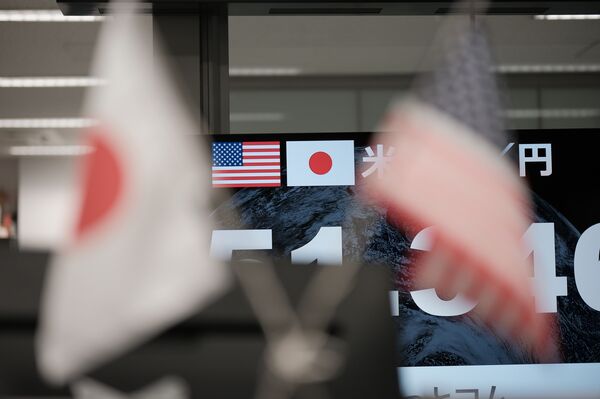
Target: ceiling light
49,150
45,16
66,81
46,123
256,117
557,113
263,71
548,68
567,17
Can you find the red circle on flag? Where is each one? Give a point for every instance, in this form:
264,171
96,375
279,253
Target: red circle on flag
320,163
102,184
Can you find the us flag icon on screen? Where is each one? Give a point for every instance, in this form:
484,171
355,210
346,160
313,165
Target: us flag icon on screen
246,164
320,163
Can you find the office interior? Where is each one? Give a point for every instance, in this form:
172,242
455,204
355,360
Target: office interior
277,68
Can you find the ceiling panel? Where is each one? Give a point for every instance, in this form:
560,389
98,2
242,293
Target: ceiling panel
396,44
46,49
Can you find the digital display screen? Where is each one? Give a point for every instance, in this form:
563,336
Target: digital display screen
298,197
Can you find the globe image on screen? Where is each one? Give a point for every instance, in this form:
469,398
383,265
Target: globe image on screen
295,215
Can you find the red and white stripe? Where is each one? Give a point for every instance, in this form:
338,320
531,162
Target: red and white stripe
443,175
261,167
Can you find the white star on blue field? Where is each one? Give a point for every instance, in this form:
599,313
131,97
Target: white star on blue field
227,154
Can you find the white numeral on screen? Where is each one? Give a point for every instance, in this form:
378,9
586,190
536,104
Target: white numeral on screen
394,303
587,266
224,242
325,248
428,300
539,241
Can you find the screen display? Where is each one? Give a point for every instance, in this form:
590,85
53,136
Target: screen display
300,197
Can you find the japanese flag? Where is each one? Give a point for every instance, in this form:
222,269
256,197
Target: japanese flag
136,261
320,163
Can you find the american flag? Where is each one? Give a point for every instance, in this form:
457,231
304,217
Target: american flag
246,164
447,172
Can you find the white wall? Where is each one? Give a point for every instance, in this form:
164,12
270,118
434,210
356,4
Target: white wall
47,201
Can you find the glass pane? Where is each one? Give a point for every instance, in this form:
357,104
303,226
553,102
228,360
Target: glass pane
376,57
374,105
288,111
571,107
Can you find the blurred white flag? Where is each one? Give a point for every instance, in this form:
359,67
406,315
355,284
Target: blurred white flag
165,388
137,261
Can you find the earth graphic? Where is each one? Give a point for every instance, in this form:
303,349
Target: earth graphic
295,215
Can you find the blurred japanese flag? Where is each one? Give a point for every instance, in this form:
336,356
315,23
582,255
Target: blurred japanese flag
447,172
137,259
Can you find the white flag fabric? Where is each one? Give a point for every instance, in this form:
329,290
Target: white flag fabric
169,387
137,260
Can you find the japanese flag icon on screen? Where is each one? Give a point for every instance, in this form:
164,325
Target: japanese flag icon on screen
320,163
